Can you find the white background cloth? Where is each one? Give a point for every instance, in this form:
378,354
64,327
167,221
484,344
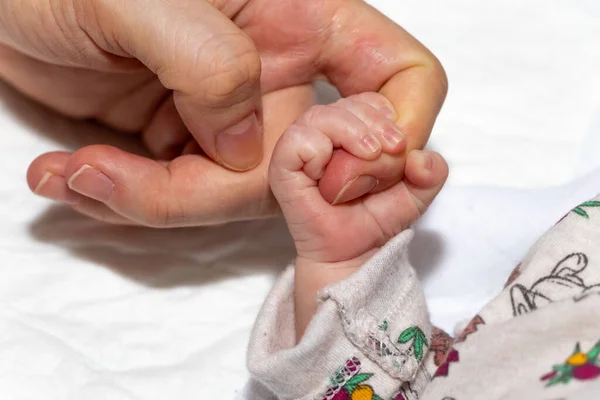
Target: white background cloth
89,311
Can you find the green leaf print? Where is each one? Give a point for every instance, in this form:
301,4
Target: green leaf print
590,204
593,353
408,334
357,380
418,340
579,210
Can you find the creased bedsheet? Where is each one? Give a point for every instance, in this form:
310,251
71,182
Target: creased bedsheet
89,311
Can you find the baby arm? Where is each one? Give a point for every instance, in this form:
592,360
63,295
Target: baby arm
334,240
348,320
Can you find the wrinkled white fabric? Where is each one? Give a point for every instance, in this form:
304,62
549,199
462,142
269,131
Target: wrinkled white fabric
539,338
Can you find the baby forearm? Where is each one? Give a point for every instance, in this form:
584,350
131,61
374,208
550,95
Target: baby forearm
310,277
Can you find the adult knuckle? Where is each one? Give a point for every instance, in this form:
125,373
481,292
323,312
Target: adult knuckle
155,214
234,67
79,22
160,213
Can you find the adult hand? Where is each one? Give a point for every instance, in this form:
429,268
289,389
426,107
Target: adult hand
171,68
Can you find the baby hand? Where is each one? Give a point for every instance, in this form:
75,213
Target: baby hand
333,240
327,233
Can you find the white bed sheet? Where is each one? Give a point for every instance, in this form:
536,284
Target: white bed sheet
89,311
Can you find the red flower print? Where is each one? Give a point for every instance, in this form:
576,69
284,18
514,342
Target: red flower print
513,275
341,395
586,372
470,329
441,343
579,366
445,367
348,384
352,365
548,376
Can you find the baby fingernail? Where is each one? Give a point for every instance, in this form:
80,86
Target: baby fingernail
393,135
371,144
357,187
426,160
92,183
389,112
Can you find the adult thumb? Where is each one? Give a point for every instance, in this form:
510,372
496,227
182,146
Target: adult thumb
195,50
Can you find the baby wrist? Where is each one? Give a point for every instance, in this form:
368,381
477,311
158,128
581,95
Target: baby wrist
310,277
325,273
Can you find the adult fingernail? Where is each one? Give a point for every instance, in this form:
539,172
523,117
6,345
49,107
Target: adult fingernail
425,160
355,188
240,147
42,183
54,187
392,135
92,183
371,144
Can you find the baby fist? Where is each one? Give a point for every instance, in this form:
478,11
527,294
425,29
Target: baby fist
386,190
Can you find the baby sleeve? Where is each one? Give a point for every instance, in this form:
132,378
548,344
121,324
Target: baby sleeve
369,339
